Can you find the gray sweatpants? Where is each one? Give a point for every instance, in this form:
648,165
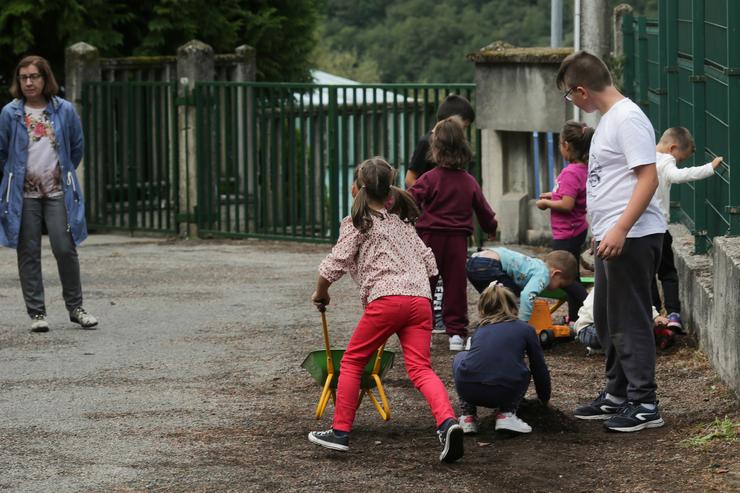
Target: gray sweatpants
53,213
623,317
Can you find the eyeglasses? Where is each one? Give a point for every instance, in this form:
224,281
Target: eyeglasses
31,77
568,96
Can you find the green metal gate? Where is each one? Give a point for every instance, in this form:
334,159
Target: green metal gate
277,160
684,69
131,168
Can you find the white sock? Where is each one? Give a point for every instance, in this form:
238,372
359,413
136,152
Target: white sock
613,398
650,407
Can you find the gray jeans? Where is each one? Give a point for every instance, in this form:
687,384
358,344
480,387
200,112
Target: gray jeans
53,213
623,317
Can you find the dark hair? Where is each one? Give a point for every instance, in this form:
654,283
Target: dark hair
51,88
578,136
455,105
565,262
681,137
374,179
583,69
448,146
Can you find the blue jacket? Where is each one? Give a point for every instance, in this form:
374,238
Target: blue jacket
13,158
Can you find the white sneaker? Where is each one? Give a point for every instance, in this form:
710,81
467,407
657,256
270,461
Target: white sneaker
457,343
80,316
468,423
511,422
39,323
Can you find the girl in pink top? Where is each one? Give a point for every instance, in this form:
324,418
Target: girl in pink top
567,203
387,259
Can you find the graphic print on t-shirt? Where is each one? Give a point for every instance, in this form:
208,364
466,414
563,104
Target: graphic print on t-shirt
594,173
42,171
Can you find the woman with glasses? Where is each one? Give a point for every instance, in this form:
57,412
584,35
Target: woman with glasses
41,145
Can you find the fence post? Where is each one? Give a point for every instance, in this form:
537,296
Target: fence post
81,64
733,108
642,57
628,76
195,62
333,150
698,80
670,26
618,15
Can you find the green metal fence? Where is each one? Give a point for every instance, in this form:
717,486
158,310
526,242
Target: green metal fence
131,155
684,70
277,160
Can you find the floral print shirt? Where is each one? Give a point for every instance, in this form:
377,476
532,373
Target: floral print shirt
389,260
42,170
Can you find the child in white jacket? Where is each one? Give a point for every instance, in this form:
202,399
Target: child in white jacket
675,145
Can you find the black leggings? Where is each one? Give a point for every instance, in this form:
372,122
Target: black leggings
576,292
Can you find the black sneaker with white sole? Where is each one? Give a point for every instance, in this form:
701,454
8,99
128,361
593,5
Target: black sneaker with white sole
635,417
329,440
599,408
450,435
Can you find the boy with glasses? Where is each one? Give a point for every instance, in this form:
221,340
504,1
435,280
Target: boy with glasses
628,230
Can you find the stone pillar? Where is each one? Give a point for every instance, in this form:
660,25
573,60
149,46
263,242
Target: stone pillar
515,95
618,37
246,67
595,38
81,64
195,61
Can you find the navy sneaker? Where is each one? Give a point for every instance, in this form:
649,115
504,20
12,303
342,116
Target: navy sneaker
599,408
450,435
635,417
329,439
674,322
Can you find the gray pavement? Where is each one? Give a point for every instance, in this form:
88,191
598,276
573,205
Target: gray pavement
97,410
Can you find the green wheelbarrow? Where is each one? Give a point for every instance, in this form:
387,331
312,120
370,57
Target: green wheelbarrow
323,366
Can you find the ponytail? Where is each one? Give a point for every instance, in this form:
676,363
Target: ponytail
578,136
361,212
497,304
404,205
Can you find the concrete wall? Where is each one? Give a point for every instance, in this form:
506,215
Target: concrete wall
710,296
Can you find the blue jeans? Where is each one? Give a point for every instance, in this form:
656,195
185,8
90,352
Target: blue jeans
483,270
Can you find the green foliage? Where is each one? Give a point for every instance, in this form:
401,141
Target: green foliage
719,429
282,31
422,41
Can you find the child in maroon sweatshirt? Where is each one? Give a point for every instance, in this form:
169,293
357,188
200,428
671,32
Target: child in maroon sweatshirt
447,196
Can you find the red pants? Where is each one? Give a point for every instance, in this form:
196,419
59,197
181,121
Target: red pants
410,317
451,254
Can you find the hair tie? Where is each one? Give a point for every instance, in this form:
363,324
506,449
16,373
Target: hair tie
494,284
583,129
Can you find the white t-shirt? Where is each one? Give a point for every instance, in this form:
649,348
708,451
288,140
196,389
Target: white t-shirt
669,173
623,140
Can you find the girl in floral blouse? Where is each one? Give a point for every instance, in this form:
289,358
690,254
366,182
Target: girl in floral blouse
392,266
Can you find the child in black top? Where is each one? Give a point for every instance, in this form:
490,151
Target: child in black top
493,373
453,105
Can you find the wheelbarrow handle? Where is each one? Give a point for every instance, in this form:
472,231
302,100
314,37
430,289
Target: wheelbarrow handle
325,327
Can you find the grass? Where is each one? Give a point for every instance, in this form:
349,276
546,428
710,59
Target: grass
719,429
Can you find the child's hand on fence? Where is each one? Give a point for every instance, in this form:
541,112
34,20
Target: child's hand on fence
546,195
717,161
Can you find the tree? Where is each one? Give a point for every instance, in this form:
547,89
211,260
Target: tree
423,41
282,31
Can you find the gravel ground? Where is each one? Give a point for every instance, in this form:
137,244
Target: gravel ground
193,383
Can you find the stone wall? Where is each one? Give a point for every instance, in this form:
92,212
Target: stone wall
710,296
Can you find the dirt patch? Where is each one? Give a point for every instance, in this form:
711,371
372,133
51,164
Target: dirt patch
207,394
